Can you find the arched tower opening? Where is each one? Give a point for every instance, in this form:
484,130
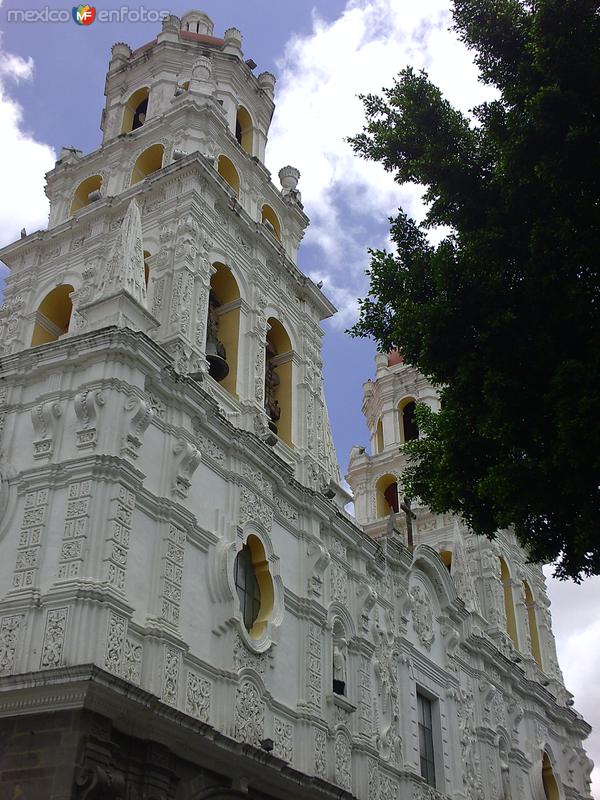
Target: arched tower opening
408,424
270,219
446,556
386,495
151,160
53,315
136,108
229,173
146,267
548,779
278,380
509,605
532,623
244,129
87,191
379,436
223,328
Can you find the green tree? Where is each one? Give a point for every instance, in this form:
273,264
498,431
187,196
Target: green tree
503,315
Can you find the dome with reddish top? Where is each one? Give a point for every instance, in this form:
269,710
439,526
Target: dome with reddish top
394,358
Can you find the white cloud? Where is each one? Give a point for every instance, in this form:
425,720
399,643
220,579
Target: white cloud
321,76
23,160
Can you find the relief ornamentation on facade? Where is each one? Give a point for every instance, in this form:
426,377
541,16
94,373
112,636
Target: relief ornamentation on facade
283,740
115,640
343,761
197,697
422,616
387,667
119,532
54,638
254,509
132,661
30,539
77,515
320,753
10,628
313,666
172,574
249,714
170,676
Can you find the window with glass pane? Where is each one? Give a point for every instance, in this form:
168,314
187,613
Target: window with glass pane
426,739
247,587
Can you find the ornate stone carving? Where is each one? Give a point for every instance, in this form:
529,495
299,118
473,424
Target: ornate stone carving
387,666
76,528
54,638
136,425
249,714
170,676
44,418
132,661
119,532
313,666
365,699
254,509
172,575
338,582
115,640
320,753
318,561
87,404
468,744
283,740
242,657
30,539
197,697
343,761
10,627
187,460
258,479
422,616
367,597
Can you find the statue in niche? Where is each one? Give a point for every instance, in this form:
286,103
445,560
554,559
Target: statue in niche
339,667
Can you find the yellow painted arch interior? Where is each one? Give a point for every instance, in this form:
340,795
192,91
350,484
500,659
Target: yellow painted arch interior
384,483
229,173
268,215
243,129
509,605
53,315
532,621
548,779
225,290
81,198
149,161
279,339
379,436
260,565
131,106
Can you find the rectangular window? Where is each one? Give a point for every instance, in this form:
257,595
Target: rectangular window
426,739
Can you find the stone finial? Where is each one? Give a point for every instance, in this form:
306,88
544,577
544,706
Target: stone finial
69,154
233,42
171,24
267,83
125,266
289,177
120,51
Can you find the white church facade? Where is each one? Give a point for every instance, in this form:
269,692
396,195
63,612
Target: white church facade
187,610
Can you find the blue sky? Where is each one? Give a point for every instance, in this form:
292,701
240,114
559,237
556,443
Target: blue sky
324,52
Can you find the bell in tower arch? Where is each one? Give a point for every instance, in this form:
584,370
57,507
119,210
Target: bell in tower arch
218,368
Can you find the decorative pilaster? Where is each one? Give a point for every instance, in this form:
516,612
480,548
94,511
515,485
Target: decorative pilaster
117,542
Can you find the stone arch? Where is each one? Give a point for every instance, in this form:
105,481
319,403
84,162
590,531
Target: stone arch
385,487
509,602
406,424
223,325
428,561
53,315
279,390
544,782
379,440
148,162
244,129
86,192
135,110
534,634
229,172
269,218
